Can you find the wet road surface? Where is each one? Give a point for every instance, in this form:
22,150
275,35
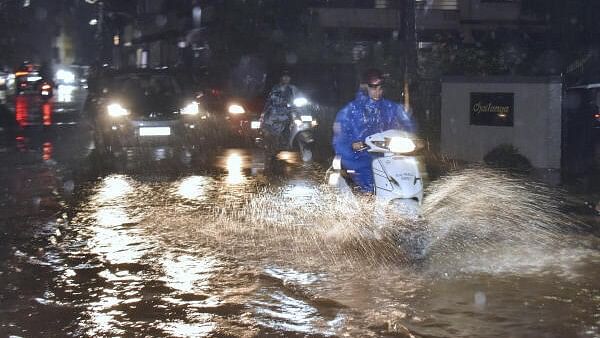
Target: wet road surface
229,247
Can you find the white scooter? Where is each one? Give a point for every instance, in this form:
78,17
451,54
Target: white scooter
302,124
397,176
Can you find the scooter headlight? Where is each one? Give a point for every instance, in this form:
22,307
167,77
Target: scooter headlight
300,102
116,110
236,109
191,109
401,145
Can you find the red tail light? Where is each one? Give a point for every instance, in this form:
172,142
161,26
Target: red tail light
47,151
47,114
46,86
21,111
597,116
21,146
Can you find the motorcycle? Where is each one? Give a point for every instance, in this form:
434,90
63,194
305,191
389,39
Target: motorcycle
299,134
397,175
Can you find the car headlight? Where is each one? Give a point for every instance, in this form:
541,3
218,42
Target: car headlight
116,110
65,76
236,109
401,145
300,102
191,109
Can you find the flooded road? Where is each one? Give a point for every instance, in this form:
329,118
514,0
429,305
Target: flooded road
237,249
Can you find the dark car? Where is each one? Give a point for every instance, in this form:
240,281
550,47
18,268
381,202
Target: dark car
240,113
147,109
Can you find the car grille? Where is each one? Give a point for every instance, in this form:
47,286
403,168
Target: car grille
157,116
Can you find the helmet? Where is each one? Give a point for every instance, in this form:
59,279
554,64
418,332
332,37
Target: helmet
373,77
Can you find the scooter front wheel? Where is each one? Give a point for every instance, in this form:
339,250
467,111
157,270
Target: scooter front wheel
305,151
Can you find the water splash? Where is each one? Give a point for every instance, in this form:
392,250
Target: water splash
474,219
487,220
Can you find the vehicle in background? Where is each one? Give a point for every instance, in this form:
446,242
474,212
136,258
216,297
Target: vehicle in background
148,110
299,134
239,116
7,80
32,99
70,92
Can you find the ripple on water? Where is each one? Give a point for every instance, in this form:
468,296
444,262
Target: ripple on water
297,258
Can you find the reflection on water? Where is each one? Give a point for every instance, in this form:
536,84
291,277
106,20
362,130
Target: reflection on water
112,188
288,157
112,216
203,328
234,167
193,187
230,254
47,151
190,274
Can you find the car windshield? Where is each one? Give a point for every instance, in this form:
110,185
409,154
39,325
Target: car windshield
146,85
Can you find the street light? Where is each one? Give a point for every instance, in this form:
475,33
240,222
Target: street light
93,22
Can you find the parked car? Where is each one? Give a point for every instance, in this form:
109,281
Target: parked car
142,109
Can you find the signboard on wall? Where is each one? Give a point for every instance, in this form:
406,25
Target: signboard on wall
492,109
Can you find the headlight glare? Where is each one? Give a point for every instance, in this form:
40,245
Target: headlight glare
300,102
401,145
116,110
191,109
236,109
306,118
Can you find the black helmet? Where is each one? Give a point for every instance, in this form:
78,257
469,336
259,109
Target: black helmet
373,77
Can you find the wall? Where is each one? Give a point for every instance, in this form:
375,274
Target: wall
536,129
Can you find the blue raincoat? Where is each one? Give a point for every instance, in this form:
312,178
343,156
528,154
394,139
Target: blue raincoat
357,120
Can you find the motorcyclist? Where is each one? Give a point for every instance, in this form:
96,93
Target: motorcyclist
367,114
275,118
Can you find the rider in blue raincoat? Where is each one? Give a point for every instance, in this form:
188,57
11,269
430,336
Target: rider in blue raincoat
367,114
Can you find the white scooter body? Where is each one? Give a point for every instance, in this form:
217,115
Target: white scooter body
397,177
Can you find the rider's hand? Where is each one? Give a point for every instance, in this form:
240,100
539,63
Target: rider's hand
358,146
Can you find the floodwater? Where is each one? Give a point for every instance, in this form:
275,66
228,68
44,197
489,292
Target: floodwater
239,252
